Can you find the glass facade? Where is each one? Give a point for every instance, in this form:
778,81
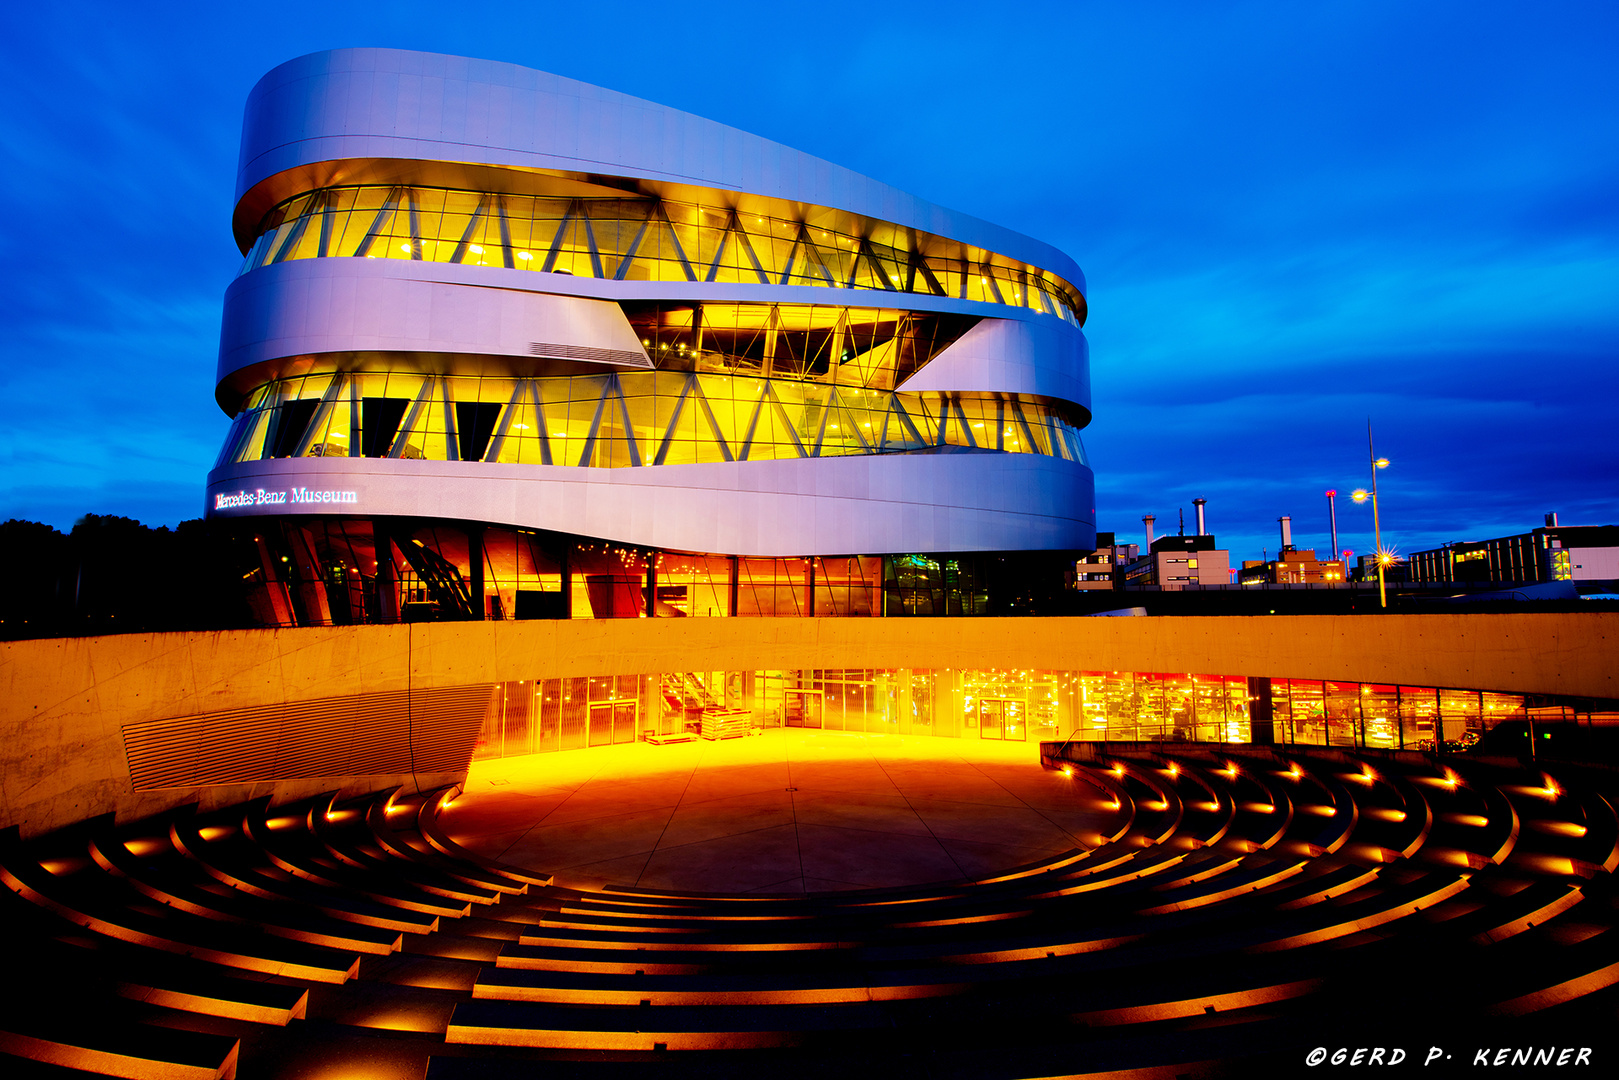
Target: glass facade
1004,705
630,419
326,571
1386,717
641,239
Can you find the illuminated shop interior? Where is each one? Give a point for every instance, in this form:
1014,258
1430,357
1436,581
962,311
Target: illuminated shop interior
1008,705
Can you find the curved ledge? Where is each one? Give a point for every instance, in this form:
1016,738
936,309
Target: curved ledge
369,104
318,306
794,507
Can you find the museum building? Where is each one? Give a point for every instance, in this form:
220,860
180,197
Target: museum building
507,345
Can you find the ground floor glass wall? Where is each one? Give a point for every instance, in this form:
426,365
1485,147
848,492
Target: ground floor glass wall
1022,705
324,571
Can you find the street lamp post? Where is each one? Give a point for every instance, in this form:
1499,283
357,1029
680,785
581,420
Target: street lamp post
1383,557
1332,515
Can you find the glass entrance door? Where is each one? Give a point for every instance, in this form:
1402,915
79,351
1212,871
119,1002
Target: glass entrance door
612,722
601,724
1002,718
802,708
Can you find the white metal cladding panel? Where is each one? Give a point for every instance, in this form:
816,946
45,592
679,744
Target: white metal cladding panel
384,733
805,506
353,305
1012,356
385,103
315,306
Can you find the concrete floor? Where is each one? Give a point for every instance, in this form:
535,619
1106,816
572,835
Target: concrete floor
783,812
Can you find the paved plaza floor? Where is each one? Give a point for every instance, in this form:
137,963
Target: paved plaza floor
786,811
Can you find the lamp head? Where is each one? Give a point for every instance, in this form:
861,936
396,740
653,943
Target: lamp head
1359,495
1382,463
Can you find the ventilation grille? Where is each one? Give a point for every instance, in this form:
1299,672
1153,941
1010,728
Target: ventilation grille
593,355
346,736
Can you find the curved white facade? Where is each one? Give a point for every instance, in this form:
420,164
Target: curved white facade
478,292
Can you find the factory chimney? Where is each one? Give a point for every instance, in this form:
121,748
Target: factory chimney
1147,521
1551,520
1332,515
1287,532
1202,527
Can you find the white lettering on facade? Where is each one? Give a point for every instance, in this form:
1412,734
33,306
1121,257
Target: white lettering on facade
261,497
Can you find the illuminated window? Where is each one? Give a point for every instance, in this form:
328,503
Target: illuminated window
646,239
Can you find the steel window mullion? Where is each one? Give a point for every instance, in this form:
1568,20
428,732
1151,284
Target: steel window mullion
505,233
781,414
539,422
460,252
423,398
1023,422
415,225
961,416
920,265
328,219
820,430
323,415
813,250
753,423
354,417
747,248
295,234
787,271
378,223
674,419
595,423
498,440
713,423
898,407
452,438
876,266
590,242
854,422
629,255
629,428
714,267
994,286
674,237
556,241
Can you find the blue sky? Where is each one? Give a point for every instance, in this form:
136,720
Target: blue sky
1292,217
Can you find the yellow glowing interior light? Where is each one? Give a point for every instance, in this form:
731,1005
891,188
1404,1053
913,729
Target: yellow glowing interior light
404,247
520,427
475,249
525,256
